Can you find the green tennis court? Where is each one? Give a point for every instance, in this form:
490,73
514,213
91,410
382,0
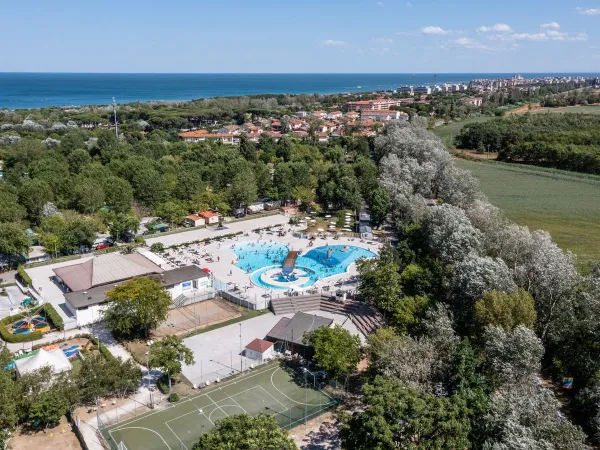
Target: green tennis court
271,389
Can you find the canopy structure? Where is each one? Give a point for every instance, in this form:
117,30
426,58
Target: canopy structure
55,359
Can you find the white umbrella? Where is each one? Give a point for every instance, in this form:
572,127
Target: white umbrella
332,222
320,229
307,218
313,220
331,226
328,216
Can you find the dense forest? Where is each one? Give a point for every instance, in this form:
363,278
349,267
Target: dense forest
579,97
478,308
68,182
563,141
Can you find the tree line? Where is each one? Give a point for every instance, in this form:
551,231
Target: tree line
70,183
476,307
563,141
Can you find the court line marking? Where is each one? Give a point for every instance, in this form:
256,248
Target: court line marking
128,422
215,403
176,435
238,405
299,403
147,429
197,408
234,406
270,395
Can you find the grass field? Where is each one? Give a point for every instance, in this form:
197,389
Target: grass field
271,389
563,203
447,132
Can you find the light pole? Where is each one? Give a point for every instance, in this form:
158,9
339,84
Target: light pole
241,360
305,397
148,368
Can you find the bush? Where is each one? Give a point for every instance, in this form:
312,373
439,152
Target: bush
103,350
54,316
157,247
140,240
23,276
163,384
174,398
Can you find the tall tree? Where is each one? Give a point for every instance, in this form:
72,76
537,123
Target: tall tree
336,350
169,353
243,432
139,304
400,416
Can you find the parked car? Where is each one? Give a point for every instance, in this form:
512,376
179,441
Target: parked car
103,246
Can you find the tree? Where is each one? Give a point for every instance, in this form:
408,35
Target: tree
78,159
400,416
14,241
171,211
528,417
243,190
168,354
409,313
243,432
336,350
210,200
49,406
513,357
121,225
9,394
379,283
304,195
379,206
450,235
89,196
157,247
10,209
137,304
506,310
118,194
33,195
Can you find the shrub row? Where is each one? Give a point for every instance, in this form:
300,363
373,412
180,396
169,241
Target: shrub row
102,349
26,279
53,316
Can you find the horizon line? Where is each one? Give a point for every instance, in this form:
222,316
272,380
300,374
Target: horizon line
293,73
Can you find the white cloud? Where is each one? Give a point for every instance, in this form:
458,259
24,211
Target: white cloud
435,30
380,3
409,4
381,40
498,28
553,25
533,37
465,42
556,35
333,43
578,37
589,12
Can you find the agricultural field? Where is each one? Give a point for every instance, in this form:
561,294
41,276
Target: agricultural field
563,203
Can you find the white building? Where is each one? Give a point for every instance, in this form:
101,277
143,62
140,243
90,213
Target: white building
56,360
86,284
194,220
383,115
259,349
422,90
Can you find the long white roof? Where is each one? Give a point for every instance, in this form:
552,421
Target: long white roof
55,359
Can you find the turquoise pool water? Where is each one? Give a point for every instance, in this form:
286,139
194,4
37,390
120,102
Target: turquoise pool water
318,263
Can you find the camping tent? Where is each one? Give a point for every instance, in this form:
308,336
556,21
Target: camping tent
55,359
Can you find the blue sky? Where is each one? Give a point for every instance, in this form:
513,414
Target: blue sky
396,36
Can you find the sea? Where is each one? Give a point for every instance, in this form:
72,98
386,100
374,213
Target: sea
39,90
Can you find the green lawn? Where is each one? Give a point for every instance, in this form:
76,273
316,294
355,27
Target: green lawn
563,203
447,132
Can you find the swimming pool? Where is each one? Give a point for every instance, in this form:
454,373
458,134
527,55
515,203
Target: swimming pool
318,263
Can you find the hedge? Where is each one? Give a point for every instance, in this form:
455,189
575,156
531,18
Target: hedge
23,275
103,350
53,316
16,338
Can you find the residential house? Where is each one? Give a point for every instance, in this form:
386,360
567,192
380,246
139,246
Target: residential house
260,350
203,135
383,115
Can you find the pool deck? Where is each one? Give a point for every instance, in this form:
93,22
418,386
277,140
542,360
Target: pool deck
223,261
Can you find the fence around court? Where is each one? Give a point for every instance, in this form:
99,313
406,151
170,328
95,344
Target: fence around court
303,397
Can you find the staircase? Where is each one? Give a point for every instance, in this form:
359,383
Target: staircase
178,302
365,317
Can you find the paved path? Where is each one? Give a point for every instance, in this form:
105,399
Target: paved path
211,232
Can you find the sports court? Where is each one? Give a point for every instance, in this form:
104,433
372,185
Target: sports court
271,389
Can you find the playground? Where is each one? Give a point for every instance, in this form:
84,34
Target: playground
290,395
